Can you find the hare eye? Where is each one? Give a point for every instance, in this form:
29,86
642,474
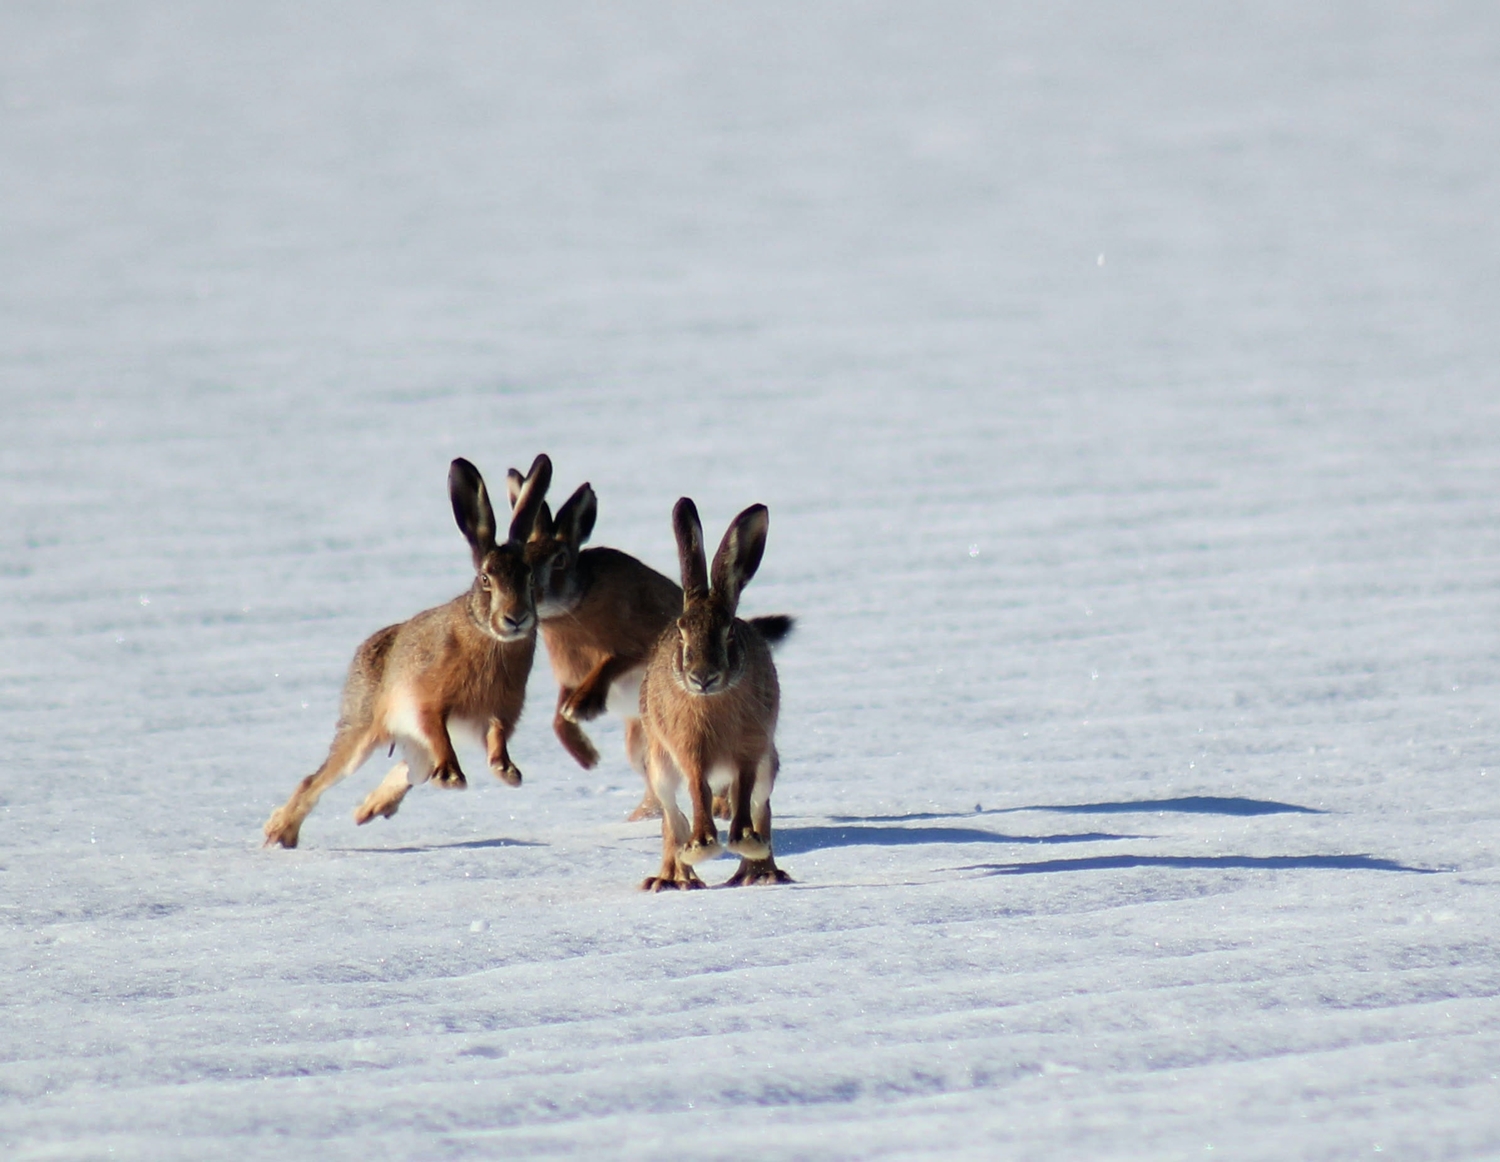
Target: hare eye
560,561
484,582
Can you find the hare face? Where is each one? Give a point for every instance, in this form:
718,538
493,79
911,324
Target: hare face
708,660
501,600
554,576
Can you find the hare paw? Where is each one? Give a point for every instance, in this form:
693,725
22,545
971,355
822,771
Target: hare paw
758,871
587,705
647,808
450,777
281,830
507,773
684,879
721,807
750,846
699,850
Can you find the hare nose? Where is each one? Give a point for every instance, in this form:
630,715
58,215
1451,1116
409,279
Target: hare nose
517,624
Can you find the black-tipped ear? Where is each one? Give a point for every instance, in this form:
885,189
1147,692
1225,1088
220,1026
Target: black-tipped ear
471,507
513,482
740,552
575,519
689,530
530,499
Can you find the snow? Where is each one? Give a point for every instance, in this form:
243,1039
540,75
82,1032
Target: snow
1121,380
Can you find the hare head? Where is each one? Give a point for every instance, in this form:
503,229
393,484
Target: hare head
501,600
710,657
554,544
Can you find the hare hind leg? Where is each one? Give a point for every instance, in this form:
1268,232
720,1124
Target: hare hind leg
385,800
675,830
635,749
348,752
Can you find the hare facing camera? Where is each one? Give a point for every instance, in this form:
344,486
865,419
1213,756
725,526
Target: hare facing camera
709,702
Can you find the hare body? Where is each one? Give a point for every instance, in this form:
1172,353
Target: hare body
602,612
462,665
709,703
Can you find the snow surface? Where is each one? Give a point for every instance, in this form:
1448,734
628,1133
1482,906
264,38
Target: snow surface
1122,382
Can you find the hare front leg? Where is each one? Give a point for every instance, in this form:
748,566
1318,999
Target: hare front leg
432,734
568,732
500,761
590,698
350,748
754,798
675,831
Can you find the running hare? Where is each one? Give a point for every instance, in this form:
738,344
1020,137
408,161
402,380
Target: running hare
462,664
602,611
709,701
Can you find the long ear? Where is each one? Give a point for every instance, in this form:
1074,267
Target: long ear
740,552
513,482
471,507
689,530
530,500
575,519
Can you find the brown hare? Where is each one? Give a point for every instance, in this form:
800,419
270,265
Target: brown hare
709,701
462,664
602,611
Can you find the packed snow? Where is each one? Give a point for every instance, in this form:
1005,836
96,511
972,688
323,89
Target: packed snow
1121,380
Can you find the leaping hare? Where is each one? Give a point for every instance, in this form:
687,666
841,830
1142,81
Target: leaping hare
602,611
461,664
709,701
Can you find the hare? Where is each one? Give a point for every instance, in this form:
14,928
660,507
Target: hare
709,701
602,611
461,664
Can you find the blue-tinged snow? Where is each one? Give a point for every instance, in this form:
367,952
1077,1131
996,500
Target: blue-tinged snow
1122,381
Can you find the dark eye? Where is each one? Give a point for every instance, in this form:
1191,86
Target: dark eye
484,581
560,561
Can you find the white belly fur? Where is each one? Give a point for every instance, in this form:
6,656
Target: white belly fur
624,698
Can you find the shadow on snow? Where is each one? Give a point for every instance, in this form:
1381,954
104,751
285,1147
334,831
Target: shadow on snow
796,840
1265,862
466,845
1186,805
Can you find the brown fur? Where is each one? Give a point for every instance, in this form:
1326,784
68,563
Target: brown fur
709,704
465,662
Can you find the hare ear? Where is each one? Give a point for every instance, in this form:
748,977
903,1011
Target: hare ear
513,482
689,530
575,519
471,508
740,552
542,529
530,500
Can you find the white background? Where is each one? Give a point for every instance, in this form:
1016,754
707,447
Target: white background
1122,382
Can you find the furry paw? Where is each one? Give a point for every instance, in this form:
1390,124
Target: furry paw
758,871
750,846
281,831
722,810
647,808
450,777
699,850
587,705
575,742
373,808
686,880
508,773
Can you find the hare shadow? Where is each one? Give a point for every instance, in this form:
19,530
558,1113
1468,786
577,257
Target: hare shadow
1356,862
1186,805
466,845
797,840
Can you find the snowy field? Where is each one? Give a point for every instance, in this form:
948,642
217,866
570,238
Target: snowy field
1122,381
